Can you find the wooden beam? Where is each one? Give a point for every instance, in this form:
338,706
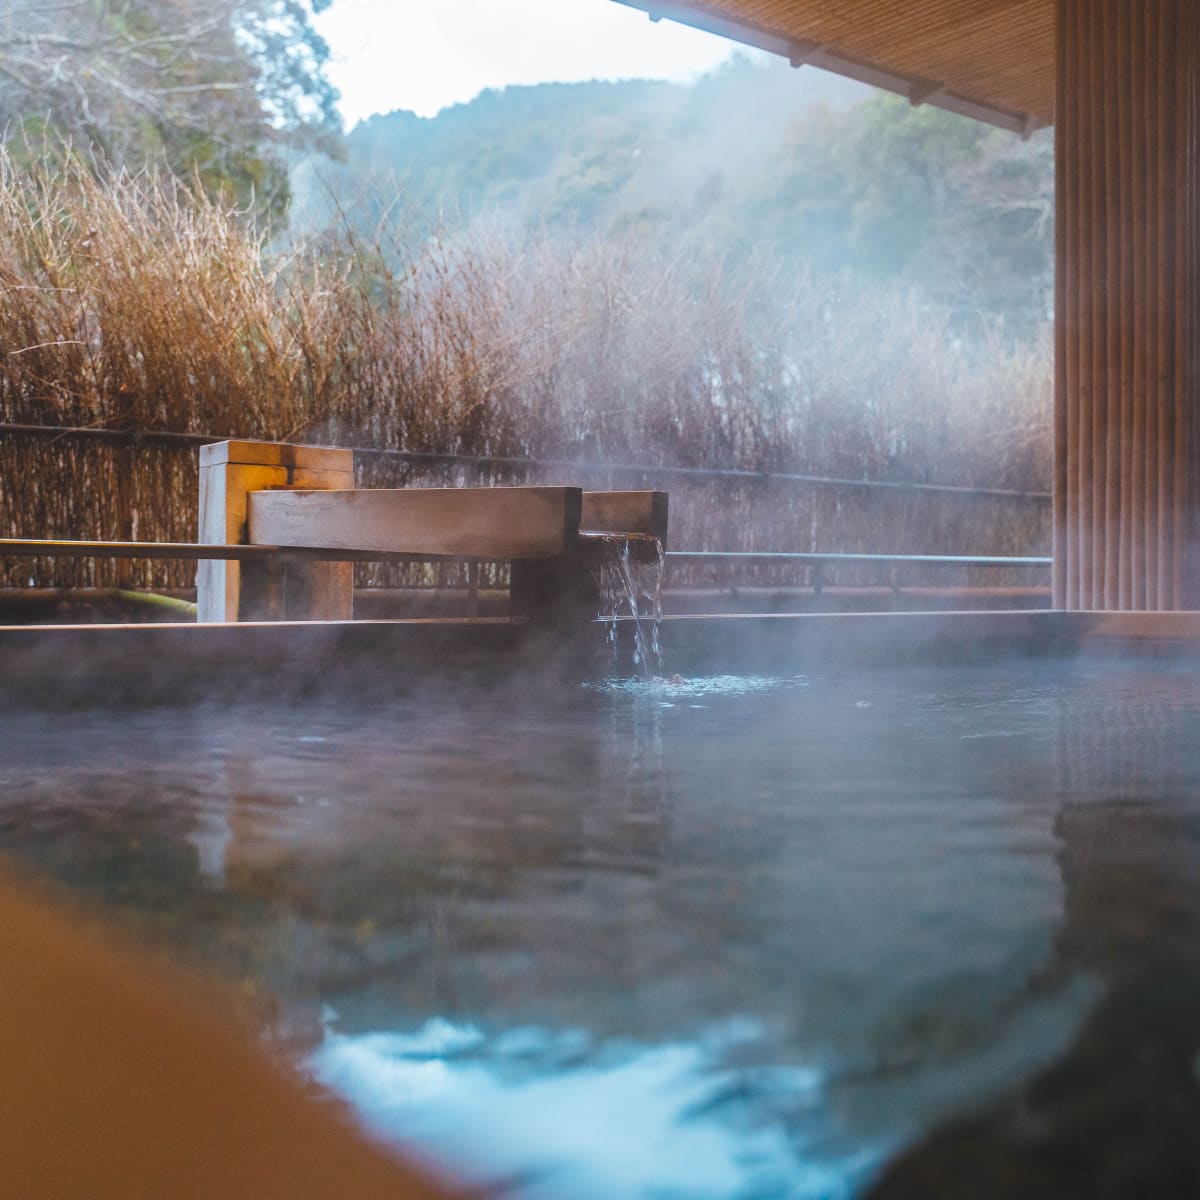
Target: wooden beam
277,454
827,58
803,52
197,552
1142,626
52,548
924,91
492,523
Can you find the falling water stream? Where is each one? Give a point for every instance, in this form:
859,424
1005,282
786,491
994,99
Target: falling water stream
629,571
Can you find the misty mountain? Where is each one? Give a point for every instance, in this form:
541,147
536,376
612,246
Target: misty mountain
778,166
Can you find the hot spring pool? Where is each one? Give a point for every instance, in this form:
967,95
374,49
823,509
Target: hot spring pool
744,937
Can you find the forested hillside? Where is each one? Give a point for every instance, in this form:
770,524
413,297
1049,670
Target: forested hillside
801,167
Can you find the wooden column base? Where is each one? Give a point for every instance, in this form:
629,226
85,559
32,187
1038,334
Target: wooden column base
228,591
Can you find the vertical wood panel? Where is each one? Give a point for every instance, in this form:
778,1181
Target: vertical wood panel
1161,399
1120,542
1065,438
1190,443
1126,492
1098,154
1112,347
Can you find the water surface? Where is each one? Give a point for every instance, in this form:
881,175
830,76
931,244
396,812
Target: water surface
741,937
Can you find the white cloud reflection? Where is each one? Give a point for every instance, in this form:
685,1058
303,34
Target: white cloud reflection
557,1116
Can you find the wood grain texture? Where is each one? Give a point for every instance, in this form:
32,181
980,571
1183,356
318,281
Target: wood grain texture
224,491
1127,484
625,512
997,53
484,523
277,454
231,591
54,548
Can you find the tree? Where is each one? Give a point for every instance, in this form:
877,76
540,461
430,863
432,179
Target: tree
764,164
919,195
218,89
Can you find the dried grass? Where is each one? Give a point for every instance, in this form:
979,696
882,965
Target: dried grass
140,304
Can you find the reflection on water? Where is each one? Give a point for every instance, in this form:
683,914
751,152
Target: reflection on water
1116,1114
728,936
670,1119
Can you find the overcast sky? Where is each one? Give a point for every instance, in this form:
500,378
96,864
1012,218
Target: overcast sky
425,54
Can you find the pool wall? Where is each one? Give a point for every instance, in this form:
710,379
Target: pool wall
165,663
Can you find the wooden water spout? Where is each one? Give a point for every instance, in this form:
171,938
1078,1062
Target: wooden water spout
562,592
301,500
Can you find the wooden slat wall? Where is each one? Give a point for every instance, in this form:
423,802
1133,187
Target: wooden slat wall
1127,488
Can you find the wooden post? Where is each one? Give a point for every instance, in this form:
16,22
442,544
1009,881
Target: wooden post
492,523
228,591
559,595
1127,393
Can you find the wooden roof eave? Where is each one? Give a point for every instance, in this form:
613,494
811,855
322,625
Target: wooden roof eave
799,53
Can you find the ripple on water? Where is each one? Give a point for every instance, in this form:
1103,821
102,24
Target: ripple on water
679,688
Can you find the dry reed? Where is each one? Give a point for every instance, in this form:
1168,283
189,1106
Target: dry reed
137,303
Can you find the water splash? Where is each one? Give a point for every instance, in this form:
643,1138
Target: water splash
698,687
629,571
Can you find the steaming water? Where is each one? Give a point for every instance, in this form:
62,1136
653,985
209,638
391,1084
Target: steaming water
742,937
